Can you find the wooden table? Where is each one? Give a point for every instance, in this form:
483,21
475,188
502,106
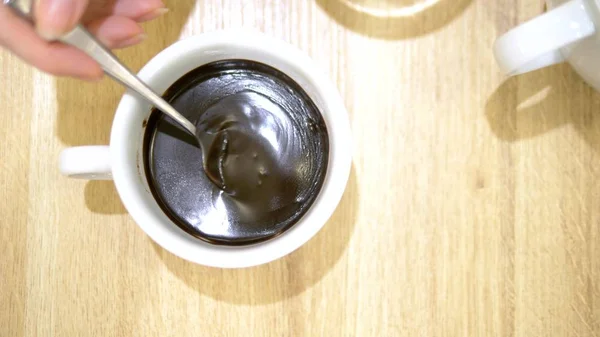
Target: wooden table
473,207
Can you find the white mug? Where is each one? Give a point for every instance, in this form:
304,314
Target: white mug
122,160
567,32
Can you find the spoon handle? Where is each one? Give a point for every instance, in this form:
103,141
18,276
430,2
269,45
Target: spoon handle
82,39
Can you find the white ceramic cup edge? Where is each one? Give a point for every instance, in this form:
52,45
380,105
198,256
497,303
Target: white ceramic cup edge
128,175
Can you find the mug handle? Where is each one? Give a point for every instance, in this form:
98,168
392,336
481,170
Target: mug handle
537,43
86,162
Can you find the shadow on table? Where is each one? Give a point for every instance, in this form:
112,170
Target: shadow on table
534,103
280,279
86,110
408,20
101,197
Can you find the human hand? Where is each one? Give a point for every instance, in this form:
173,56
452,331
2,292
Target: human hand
114,22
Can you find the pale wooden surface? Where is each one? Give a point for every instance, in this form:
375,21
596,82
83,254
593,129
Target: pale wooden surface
473,208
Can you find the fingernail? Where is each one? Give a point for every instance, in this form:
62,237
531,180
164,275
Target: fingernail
153,14
132,41
56,17
90,76
94,78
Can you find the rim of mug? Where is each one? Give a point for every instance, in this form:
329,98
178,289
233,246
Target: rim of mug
174,239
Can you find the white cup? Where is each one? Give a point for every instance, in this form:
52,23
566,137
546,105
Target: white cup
567,32
122,160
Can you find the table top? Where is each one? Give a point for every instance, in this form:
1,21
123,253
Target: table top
472,208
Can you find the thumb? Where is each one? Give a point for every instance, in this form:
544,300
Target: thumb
56,17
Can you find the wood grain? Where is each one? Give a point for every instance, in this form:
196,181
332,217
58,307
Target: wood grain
473,206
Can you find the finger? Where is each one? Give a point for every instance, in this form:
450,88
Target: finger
139,10
152,15
57,17
55,58
117,31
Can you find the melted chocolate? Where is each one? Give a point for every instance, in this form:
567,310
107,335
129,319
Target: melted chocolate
267,148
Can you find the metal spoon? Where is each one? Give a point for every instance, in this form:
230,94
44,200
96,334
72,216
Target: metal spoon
80,38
